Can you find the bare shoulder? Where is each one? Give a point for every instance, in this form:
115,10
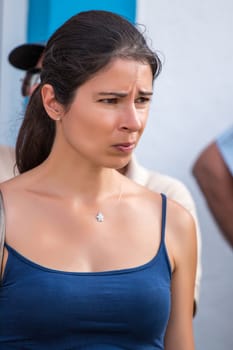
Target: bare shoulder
179,217
11,184
180,232
142,191
145,202
14,188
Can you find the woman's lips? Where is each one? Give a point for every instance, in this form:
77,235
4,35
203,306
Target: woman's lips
125,147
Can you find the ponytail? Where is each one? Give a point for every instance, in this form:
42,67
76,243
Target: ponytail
36,135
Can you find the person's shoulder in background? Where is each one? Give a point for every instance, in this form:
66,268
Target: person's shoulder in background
7,162
175,190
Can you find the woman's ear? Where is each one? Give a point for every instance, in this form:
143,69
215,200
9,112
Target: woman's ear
52,107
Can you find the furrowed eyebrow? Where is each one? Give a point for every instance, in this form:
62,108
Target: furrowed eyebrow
111,93
146,93
124,94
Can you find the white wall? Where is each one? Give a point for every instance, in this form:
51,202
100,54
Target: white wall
13,16
192,104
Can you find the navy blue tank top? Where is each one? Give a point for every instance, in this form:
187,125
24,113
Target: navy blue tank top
42,308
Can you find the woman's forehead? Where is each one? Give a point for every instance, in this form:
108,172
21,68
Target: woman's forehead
122,72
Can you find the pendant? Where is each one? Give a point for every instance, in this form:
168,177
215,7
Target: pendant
99,217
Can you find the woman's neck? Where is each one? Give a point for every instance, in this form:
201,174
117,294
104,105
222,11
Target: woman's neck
66,178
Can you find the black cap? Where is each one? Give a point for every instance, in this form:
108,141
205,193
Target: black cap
26,56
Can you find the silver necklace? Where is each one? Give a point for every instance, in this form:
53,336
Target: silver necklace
100,216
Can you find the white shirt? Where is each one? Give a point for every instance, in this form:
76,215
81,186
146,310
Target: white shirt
7,163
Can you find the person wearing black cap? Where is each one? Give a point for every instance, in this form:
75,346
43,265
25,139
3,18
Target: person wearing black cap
28,57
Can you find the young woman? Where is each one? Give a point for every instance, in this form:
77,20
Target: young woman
92,260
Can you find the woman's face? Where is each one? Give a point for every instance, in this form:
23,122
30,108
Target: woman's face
108,114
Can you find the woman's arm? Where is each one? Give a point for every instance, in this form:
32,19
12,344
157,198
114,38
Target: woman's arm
216,183
182,248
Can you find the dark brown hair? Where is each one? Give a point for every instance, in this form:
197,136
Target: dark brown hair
77,50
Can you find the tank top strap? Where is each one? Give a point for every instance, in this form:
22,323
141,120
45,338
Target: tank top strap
164,212
2,232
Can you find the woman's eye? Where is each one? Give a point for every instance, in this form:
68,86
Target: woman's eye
109,100
142,100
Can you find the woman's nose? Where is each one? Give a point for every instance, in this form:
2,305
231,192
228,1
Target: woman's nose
131,119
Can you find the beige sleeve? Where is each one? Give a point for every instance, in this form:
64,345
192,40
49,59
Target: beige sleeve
7,163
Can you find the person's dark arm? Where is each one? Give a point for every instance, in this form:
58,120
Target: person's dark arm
216,183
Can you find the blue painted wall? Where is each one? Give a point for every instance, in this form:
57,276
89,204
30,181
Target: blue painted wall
45,16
